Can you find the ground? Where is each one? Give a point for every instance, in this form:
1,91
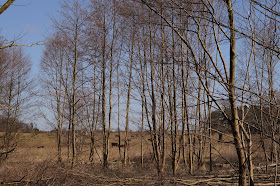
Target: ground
34,162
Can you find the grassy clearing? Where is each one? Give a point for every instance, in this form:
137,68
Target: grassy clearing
34,162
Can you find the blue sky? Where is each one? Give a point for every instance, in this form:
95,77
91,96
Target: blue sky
30,19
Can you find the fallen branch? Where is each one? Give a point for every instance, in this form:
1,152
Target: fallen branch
13,182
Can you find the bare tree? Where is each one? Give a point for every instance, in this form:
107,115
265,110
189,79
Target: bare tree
53,80
15,95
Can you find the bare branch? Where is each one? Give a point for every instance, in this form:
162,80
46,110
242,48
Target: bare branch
5,6
13,44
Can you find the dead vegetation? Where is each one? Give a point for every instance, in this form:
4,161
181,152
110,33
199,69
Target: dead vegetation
31,165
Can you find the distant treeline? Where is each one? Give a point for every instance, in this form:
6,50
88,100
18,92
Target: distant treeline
12,124
256,118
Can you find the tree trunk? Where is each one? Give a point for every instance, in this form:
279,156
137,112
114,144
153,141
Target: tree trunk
74,155
105,151
232,99
128,101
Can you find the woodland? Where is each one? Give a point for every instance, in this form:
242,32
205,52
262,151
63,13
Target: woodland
181,90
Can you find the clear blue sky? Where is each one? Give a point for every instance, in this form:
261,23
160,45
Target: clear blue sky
30,19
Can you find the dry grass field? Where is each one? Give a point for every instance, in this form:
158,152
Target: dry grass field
34,163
